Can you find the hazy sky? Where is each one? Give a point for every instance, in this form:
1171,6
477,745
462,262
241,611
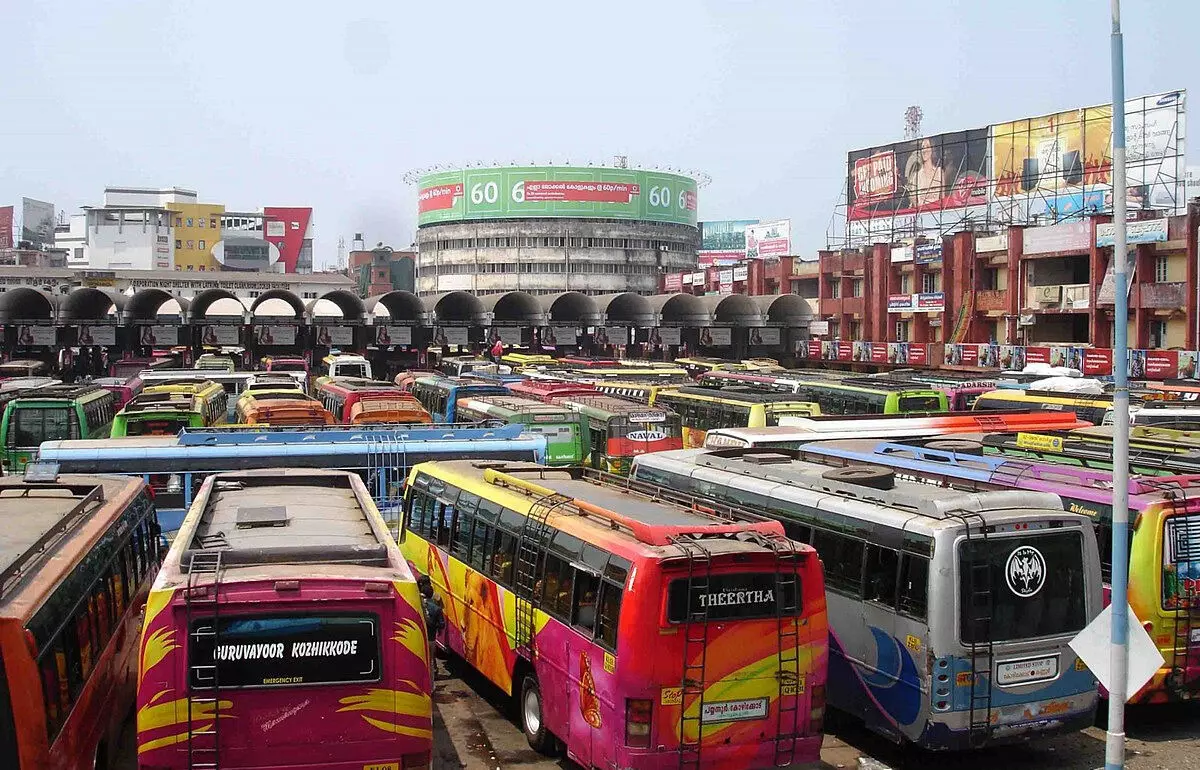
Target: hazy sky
325,104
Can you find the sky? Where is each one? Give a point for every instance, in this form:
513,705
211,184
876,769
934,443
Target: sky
327,105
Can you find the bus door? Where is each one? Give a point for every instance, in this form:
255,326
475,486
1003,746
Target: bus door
583,665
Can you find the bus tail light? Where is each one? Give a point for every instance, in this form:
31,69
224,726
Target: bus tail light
637,722
418,761
817,708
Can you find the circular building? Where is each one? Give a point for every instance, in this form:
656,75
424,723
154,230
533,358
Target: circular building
554,229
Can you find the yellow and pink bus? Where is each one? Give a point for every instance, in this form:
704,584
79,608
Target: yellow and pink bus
556,582
284,630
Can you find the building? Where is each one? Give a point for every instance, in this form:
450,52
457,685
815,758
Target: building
290,233
548,230
382,269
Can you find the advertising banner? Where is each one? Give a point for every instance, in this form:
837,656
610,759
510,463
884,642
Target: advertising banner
741,272
1107,294
213,334
897,352
829,350
989,355
918,353
275,335
612,335
927,253
1161,364
764,336
687,279
769,239
554,336
862,351
37,222
666,335
931,302
814,348
698,279
902,254
450,336
34,336
509,335
1147,231
845,351
672,282
723,242
1187,362
158,336
1037,355
1068,356
818,327
715,336
330,335
719,259
1097,361
6,227
96,335
393,335
1012,357
725,288
556,191
879,352
1068,236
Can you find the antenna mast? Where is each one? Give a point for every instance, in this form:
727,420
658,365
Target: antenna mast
912,122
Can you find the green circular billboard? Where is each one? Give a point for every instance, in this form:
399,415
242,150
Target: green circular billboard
556,191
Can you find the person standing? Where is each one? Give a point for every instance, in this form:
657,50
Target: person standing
435,621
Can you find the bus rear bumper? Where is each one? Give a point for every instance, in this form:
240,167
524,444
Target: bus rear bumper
736,757
940,736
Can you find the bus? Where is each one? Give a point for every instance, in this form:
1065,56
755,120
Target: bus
1163,590
1097,410
131,367
341,394
176,466
951,612
643,373
346,365
619,430
165,414
960,391
641,392
282,408
548,390
401,409
557,582
703,409
15,386
802,430
295,367
123,390
216,363
284,593
457,366
586,362
79,555
273,380
23,367
864,395
213,400
698,365
566,431
51,413
233,383
1069,448
522,360
439,395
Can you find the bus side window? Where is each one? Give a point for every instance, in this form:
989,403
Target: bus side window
481,539
914,585
879,576
460,543
421,514
444,515
610,611
843,560
555,587
587,586
801,533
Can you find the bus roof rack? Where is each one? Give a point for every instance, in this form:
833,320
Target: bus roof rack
13,566
265,434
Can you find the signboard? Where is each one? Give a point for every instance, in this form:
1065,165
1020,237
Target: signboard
556,191
741,272
818,327
723,242
450,336
158,336
927,253
687,279
1097,361
275,335
764,336
393,335
611,335
560,335
715,336
214,334
902,254
663,336
900,303
37,222
6,227
34,336
1069,236
96,335
698,279
509,335
918,354
1161,364
1146,231
769,239
1040,442
1094,644
335,336
672,282
986,243
930,302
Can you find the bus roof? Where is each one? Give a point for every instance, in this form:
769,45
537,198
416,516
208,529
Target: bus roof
344,358
605,406
736,394
359,384
515,404
160,402
59,393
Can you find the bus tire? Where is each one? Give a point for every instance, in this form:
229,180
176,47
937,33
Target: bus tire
961,446
862,475
531,714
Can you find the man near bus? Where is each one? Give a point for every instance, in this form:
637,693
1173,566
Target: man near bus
435,619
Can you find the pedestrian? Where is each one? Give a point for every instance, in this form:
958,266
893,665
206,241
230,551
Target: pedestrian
497,350
435,620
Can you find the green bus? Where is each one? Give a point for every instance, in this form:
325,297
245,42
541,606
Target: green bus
166,413
53,413
566,431
870,396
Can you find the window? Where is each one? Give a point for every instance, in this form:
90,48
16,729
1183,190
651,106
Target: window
32,426
879,575
1160,269
914,585
213,223
201,244
587,587
190,268
835,288
930,282
843,560
179,221
178,244
610,611
906,283
902,331
191,244
856,287
189,222
200,222
1158,334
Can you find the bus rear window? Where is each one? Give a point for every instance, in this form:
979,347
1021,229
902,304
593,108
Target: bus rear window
31,426
740,596
154,427
286,367
920,404
285,650
351,370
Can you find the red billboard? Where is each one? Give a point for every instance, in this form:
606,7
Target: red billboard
845,351
1162,364
1098,361
287,230
1040,355
918,354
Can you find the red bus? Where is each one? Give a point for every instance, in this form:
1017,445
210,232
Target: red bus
548,390
295,366
339,395
629,623
76,563
284,630
122,390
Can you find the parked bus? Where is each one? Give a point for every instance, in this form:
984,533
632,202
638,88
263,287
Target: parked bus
457,366
566,431
165,414
548,390
386,410
586,362
216,363
440,395
960,391
600,572
212,400
698,365
641,392
282,408
951,612
642,372
176,466
295,367
868,396
233,383
284,593
52,413
23,367
1068,448
703,409
78,558
341,394
346,365
1162,588
1097,410
15,386
273,381
122,390
619,430
131,367
522,360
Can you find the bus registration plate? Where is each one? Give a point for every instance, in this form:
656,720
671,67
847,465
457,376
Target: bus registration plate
734,710
383,766
1028,670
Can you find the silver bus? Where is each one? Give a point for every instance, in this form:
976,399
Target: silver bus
950,612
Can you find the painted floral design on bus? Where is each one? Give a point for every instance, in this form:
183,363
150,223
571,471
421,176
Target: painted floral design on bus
589,705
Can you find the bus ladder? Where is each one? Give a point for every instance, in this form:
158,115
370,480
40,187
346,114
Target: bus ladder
787,618
531,547
695,652
203,746
1184,617
982,654
386,462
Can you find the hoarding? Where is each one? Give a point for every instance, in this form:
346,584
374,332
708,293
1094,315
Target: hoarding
715,336
450,336
96,335
765,336
667,335
6,227
329,335
34,336
818,327
769,239
509,335
214,334
672,282
554,336
741,272
393,335
37,222
275,335
611,335
723,242
556,191
156,336
928,253
1149,231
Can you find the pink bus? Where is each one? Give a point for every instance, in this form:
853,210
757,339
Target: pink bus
284,631
123,389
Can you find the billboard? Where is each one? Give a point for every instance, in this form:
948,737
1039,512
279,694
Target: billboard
556,191
214,334
286,230
554,336
393,335
764,336
6,227
723,242
769,239
33,336
330,335
158,336
275,335
37,222
715,336
449,336
96,335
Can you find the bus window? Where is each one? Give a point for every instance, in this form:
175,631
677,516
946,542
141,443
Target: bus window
610,611
880,575
914,585
587,586
843,559
920,404
32,426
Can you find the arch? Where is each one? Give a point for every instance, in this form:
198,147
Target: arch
680,310
572,307
733,309
282,295
398,306
145,304
349,303
784,309
514,307
626,309
24,302
203,302
461,307
90,304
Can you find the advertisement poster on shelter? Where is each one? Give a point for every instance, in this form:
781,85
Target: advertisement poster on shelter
215,334
664,336
34,336
275,335
715,336
1097,361
329,335
764,336
96,335
451,336
393,335
559,335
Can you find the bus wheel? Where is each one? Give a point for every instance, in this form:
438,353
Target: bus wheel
532,721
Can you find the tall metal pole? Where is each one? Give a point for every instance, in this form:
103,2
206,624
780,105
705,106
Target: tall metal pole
1114,750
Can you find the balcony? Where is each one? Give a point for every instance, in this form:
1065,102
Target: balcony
1161,296
1056,298
852,305
830,307
991,300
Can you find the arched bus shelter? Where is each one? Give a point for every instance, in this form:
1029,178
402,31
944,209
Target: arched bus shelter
570,316
514,318
790,314
399,332
278,325
337,321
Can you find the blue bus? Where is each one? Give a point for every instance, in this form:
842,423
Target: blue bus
439,395
176,466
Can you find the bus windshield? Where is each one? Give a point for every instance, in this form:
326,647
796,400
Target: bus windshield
288,366
351,370
163,426
921,404
33,425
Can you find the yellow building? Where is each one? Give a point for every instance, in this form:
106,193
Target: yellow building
197,230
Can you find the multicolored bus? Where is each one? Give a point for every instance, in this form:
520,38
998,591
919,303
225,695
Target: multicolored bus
165,414
401,410
643,372
951,612
703,409
123,390
79,555
864,395
566,431
280,408
15,386
339,395
1067,448
620,430
440,395
295,367
557,581
52,413
1164,590
212,400
284,597
549,390
346,365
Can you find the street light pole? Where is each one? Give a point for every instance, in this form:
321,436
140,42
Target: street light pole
1114,749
